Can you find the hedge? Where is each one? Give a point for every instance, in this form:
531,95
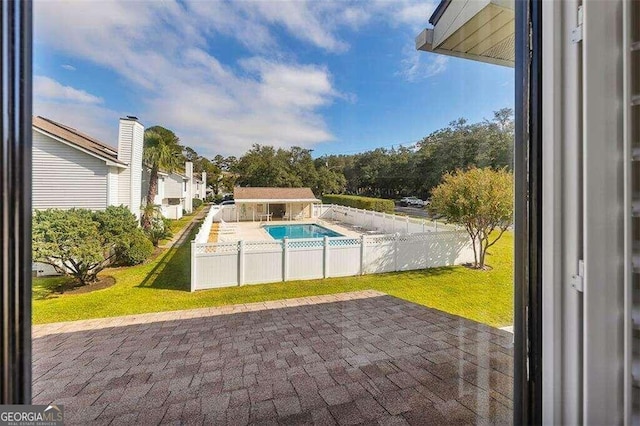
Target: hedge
366,203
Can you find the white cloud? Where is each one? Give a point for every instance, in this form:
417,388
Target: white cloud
161,50
68,67
417,66
94,120
48,88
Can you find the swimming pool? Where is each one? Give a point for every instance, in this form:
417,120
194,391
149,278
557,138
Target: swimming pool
278,232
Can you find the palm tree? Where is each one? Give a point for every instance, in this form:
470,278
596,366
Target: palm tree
161,152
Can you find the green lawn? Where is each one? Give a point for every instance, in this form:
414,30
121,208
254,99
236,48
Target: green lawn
163,285
175,225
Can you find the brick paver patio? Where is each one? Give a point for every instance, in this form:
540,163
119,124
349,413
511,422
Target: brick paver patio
353,358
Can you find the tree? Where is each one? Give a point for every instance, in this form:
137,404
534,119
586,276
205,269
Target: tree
80,242
161,152
119,227
481,200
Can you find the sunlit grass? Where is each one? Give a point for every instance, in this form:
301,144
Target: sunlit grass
163,285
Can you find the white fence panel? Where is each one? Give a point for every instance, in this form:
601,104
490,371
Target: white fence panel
227,213
263,262
343,257
216,265
305,259
379,254
413,252
449,248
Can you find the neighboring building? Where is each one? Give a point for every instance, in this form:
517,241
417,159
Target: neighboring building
273,203
176,191
72,169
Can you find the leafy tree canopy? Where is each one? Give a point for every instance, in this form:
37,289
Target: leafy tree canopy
480,200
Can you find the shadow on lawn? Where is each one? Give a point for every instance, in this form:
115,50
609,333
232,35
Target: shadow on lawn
173,269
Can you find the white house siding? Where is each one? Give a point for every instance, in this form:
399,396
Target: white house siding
160,194
125,133
112,186
130,141
135,166
174,186
65,177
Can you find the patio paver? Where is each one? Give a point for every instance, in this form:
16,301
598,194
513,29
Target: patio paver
350,358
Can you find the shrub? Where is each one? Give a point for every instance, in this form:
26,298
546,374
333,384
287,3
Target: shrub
71,241
159,230
136,248
197,202
366,203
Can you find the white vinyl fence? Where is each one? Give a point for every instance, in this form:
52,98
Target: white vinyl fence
376,221
227,264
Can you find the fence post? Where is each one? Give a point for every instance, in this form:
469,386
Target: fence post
325,257
285,259
240,262
361,254
395,251
193,266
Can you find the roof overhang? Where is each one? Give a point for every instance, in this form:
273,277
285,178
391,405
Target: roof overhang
280,201
480,30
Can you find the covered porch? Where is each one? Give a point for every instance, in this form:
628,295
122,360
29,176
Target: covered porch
267,204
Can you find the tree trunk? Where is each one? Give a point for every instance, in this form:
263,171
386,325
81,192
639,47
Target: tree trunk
151,195
475,252
483,253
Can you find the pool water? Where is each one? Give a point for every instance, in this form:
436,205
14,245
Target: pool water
279,232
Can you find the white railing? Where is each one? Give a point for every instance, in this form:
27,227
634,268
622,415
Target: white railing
216,265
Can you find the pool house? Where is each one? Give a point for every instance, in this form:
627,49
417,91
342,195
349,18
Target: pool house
262,204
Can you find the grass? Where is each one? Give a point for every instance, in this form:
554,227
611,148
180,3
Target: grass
176,225
163,285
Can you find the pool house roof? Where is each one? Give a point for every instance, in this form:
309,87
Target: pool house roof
273,195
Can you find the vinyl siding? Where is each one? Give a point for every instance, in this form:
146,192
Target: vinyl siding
174,186
65,177
113,178
136,168
124,155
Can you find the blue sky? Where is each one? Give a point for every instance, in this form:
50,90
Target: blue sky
335,76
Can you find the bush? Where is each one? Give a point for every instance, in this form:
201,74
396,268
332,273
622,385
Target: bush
135,249
197,202
366,203
72,242
159,230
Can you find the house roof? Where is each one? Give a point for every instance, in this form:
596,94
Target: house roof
76,138
257,194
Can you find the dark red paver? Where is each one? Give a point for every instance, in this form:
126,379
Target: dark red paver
376,360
